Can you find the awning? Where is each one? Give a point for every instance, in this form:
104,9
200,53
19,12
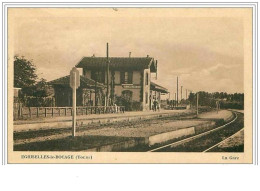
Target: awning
158,88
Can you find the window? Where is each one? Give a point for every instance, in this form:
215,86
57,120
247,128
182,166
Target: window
146,79
126,77
98,76
146,97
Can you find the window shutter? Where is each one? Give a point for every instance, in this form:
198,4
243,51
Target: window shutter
130,77
122,77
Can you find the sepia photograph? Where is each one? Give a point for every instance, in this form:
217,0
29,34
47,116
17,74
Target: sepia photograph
130,85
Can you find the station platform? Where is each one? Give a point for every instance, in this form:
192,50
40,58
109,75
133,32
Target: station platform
82,120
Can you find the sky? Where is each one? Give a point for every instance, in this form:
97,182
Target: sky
204,48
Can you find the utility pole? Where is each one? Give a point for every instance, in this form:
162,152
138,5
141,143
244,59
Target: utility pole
197,104
181,92
156,68
189,95
175,101
186,94
107,96
95,92
177,90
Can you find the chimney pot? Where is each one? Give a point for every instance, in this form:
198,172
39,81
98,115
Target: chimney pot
93,55
129,54
147,56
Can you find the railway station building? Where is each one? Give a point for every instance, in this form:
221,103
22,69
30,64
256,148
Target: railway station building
129,78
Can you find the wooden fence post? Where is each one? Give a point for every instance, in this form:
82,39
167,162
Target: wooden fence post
37,112
30,114
21,112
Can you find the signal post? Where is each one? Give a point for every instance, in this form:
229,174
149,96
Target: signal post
74,84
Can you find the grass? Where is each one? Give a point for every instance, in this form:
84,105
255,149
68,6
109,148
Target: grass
70,143
237,148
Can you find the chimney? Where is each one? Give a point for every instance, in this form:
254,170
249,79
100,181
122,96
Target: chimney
147,56
129,54
93,56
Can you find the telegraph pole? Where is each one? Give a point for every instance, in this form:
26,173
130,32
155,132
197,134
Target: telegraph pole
175,101
197,104
189,95
107,96
181,92
186,94
95,89
177,90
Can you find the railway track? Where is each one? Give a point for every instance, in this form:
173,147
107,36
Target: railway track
206,141
216,145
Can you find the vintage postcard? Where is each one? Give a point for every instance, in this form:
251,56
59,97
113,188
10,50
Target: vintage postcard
130,85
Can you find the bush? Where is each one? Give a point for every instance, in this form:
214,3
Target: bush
232,105
39,102
137,106
129,105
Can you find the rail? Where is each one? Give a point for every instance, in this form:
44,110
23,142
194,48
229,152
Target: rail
37,112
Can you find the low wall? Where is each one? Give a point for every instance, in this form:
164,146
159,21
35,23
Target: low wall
163,137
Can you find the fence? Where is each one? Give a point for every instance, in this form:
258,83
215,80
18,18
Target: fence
37,112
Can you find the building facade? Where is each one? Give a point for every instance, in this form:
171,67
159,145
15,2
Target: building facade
128,77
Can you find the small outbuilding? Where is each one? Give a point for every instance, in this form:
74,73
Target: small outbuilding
90,92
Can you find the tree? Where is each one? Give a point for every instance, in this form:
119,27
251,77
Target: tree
33,93
192,98
41,88
24,73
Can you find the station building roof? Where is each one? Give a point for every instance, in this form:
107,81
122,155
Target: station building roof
84,82
156,87
118,63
